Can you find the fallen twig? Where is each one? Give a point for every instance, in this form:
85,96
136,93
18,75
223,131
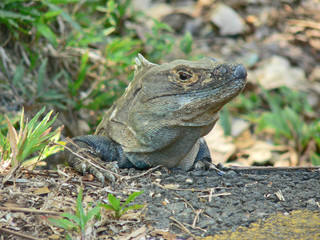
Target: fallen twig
18,234
182,227
27,210
216,195
239,168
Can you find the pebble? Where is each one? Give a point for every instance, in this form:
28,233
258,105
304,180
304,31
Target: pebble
230,174
228,20
189,180
312,204
206,223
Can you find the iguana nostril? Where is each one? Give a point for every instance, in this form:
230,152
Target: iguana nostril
240,72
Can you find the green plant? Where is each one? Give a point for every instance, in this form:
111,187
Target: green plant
315,159
120,209
186,43
114,76
286,120
225,121
247,103
115,13
23,16
77,221
159,42
33,136
100,20
39,90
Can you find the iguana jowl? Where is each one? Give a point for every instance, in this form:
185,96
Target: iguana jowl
163,115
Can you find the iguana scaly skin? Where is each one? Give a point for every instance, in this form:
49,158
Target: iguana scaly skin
163,115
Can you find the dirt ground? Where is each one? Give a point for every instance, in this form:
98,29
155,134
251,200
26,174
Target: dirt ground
178,204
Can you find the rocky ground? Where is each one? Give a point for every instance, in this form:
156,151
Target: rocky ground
178,204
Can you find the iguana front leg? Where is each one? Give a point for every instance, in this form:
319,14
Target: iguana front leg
203,159
87,153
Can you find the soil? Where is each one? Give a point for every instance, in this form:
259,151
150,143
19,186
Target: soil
178,203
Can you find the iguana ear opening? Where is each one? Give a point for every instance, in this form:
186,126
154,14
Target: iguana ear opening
142,64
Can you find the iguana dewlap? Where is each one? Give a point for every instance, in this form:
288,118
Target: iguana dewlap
163,115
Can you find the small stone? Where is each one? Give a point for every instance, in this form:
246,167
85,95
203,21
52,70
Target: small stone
152,194
165,202
239,126
312,204
157,173
189,180
197,173
219,220
206,223
230,174
157,195
228,21
277,72
315,74
157,180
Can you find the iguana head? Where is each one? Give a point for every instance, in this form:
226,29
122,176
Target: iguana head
166,101
188,92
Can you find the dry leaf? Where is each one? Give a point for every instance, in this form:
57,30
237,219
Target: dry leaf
42,190
13,137
245,140
166,235
171,186
137,234
11,205
221,147
260,152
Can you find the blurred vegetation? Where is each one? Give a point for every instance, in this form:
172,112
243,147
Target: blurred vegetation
76,57
70,55
283,116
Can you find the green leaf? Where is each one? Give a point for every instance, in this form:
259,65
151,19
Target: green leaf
52,14
42,75
79,210
107,207
186,43
18,75
66,17
133,207
92,213
14,15
225,121
63,223
62,1
315,159
45,31
70,216
114,202
131,197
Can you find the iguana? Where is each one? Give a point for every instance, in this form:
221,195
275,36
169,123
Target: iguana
162,116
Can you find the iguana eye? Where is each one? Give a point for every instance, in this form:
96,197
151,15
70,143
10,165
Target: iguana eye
184,76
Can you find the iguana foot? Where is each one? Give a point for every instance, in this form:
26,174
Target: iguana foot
205,165
84,162
103,172
86,158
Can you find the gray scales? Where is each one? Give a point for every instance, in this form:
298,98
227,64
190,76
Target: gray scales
162,117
